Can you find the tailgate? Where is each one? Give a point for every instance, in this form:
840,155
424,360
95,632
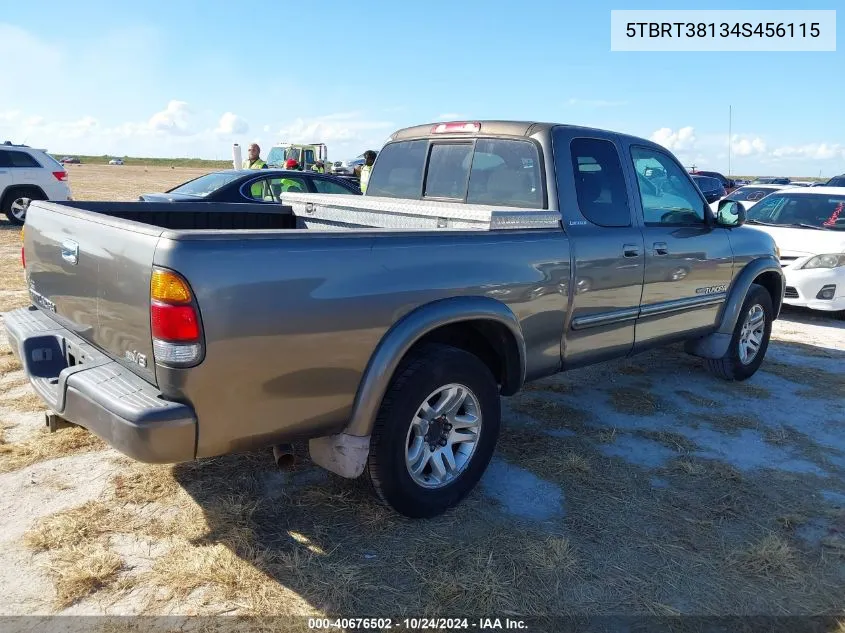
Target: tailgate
91,273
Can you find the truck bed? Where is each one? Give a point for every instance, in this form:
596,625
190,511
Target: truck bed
192,215
322,212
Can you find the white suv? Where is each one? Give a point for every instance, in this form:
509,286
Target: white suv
28,174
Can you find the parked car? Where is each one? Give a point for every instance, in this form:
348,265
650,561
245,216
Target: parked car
70,160
252,185
28,174
727,183
384,328
808,225
771,180
349,167
711,187
801,183
116,161
749,195
836,181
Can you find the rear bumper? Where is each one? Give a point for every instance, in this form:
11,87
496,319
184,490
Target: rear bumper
86,387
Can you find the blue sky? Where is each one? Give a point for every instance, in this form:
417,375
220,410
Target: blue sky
189,78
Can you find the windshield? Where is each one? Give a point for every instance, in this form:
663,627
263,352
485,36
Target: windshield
785,209
750,194
205,185
707,184
278,155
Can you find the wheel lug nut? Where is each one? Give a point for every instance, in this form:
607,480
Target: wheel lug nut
443,442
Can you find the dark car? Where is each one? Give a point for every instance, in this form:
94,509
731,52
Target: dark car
252,185
728,183
70,160
836,181
710,187
771,180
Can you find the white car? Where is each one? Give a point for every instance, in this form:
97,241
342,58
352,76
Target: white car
808,225
116,161
28,174
749,195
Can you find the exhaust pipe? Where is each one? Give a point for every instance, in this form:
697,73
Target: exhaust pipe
283,454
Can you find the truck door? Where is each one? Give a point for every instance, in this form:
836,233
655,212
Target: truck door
607,247
688,259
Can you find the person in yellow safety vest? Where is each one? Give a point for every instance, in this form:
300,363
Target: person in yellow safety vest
367,168
254,162
319,167
287,183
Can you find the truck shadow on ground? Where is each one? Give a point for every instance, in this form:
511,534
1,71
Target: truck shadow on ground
307,536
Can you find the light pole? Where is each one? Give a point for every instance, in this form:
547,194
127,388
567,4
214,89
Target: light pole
730,138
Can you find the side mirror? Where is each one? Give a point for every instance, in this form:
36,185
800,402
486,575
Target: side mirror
731,213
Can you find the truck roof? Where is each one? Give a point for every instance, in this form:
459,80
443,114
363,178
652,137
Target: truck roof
491,127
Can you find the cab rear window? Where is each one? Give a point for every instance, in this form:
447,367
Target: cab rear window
500,172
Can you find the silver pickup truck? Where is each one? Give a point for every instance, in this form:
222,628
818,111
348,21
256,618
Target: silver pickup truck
384,328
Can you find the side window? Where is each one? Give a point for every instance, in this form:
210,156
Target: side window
21,159
506,172
599,182
327,186
668,195
448,170
398,171
269,189
4,159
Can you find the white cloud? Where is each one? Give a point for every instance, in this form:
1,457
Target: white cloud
683,139
230,124
596,103
10,115
174,119
34,121
450,116
743,146
341,128
811,151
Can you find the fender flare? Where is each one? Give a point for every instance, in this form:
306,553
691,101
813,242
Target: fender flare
715,345
406,332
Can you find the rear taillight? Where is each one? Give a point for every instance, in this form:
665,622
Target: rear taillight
60,175
174,320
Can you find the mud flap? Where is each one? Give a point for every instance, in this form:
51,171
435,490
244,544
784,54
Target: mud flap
342,454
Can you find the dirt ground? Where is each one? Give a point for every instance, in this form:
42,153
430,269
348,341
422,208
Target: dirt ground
637,487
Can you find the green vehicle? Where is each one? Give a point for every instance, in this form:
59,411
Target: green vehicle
305,154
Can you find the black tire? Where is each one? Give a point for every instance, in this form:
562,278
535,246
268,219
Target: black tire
730,367
16,194
423,372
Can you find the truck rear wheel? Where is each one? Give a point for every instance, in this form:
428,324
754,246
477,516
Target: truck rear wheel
435,432
750,338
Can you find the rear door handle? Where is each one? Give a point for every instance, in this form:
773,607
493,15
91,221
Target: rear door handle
631,250
661,248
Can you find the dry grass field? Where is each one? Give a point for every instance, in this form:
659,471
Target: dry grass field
638,487
125,182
